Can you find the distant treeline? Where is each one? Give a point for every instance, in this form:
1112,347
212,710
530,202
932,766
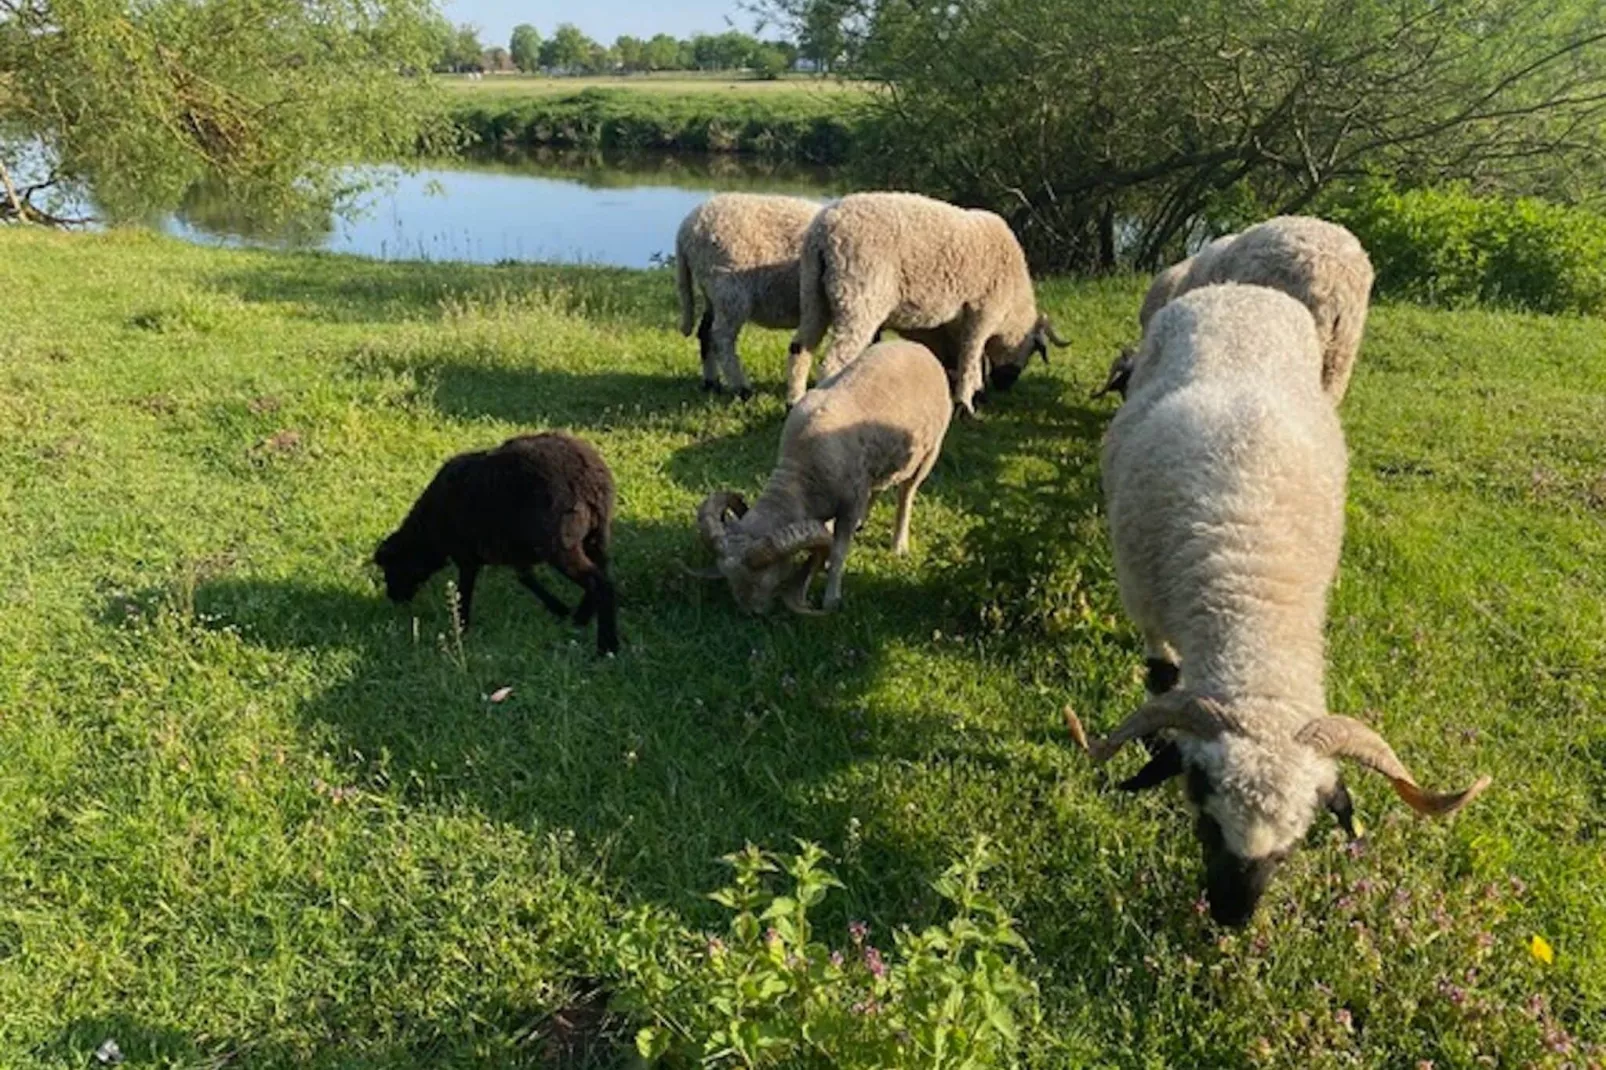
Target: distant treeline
802,127
568,51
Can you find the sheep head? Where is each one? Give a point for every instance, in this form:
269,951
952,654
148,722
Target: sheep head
755,556
1008,359
1255,799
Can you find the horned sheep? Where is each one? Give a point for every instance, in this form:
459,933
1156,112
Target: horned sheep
1224,475
911,263
1320,264
741,251
533,499
879,422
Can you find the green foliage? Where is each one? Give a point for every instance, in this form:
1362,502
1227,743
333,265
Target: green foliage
801,126
1447,246
131,105
525,47
772,993
1107,133
462,51
569,50
253,815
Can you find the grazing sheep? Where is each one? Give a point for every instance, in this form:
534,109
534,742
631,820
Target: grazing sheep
535,498
1320,264
1224,476
741,250
878,422
915,264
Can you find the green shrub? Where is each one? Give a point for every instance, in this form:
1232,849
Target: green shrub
772,993
1446,246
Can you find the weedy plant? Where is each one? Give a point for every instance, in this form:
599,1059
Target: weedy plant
772,992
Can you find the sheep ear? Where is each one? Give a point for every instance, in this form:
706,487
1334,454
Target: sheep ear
1120,377
1342,807
1165,763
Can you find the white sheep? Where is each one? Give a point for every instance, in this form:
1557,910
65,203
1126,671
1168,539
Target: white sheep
1224,476
911,263
1320,264
877,423
741,250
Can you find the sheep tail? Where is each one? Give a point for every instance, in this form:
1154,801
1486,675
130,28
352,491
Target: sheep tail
688,297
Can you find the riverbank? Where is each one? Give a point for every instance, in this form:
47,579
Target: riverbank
813,121
250,813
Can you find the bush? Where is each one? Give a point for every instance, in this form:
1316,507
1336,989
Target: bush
771,993
1446,246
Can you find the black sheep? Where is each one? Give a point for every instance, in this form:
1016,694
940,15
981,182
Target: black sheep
535,498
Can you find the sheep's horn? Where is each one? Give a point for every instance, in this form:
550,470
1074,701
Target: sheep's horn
795,596
802,535
1120,374
711,514
1344,737
1193,714
1050,333
708,573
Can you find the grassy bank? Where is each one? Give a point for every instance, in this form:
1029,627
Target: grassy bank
815,121
250,814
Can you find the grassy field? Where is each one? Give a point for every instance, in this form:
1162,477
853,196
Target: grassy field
668,82
253,815
806,119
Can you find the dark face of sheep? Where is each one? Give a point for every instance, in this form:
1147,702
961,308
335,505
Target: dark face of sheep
1297,782
757,568
1006,362
406,567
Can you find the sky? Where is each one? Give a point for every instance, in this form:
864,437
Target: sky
602,20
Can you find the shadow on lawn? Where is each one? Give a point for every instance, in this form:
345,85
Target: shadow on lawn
347,289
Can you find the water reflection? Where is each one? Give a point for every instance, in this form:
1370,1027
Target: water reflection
574,208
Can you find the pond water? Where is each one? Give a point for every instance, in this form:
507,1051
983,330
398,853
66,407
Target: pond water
551,207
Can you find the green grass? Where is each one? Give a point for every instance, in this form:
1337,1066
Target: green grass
712,82
253,815
812,120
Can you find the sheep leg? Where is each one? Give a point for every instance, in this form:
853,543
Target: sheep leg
906,501
556,606
705,348
847,523
727,327
599,600
467,573
968,382
849,340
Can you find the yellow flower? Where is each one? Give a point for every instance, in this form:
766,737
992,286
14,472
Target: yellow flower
1540,948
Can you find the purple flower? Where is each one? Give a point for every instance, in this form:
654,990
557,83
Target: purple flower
1355,848
716,947
1344,1019
1535,1005
771,936
1485,941
1558,1041
872,960
1345,904
1453,992
836,959
1201,906
1364,886
858,930
867,1007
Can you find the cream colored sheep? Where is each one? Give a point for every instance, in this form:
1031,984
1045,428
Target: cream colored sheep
741,251
1224,477
912,263
1320,264
877,423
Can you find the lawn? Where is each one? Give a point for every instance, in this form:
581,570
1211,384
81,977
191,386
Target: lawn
251,814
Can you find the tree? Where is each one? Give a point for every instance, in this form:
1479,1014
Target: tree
821,38
1120,132
463,51
132,104
525,48
770,61
662,53
632,53
568,50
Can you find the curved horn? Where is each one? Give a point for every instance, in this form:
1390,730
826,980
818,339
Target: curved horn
1193,714
1120,374
789,540
711,514
1344,737
1049,332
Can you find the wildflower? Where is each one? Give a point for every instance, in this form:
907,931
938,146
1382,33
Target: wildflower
867,1007
1540,948
1364,886
1485,940
716,947
1453,992
1344,1019
1518,886
1558,1041
858,930
771,936
1535,1006
1201,906
1346,903
872,959
1355,848
1424,1064
836,959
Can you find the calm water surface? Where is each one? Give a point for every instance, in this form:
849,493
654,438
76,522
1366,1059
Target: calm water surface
588,210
